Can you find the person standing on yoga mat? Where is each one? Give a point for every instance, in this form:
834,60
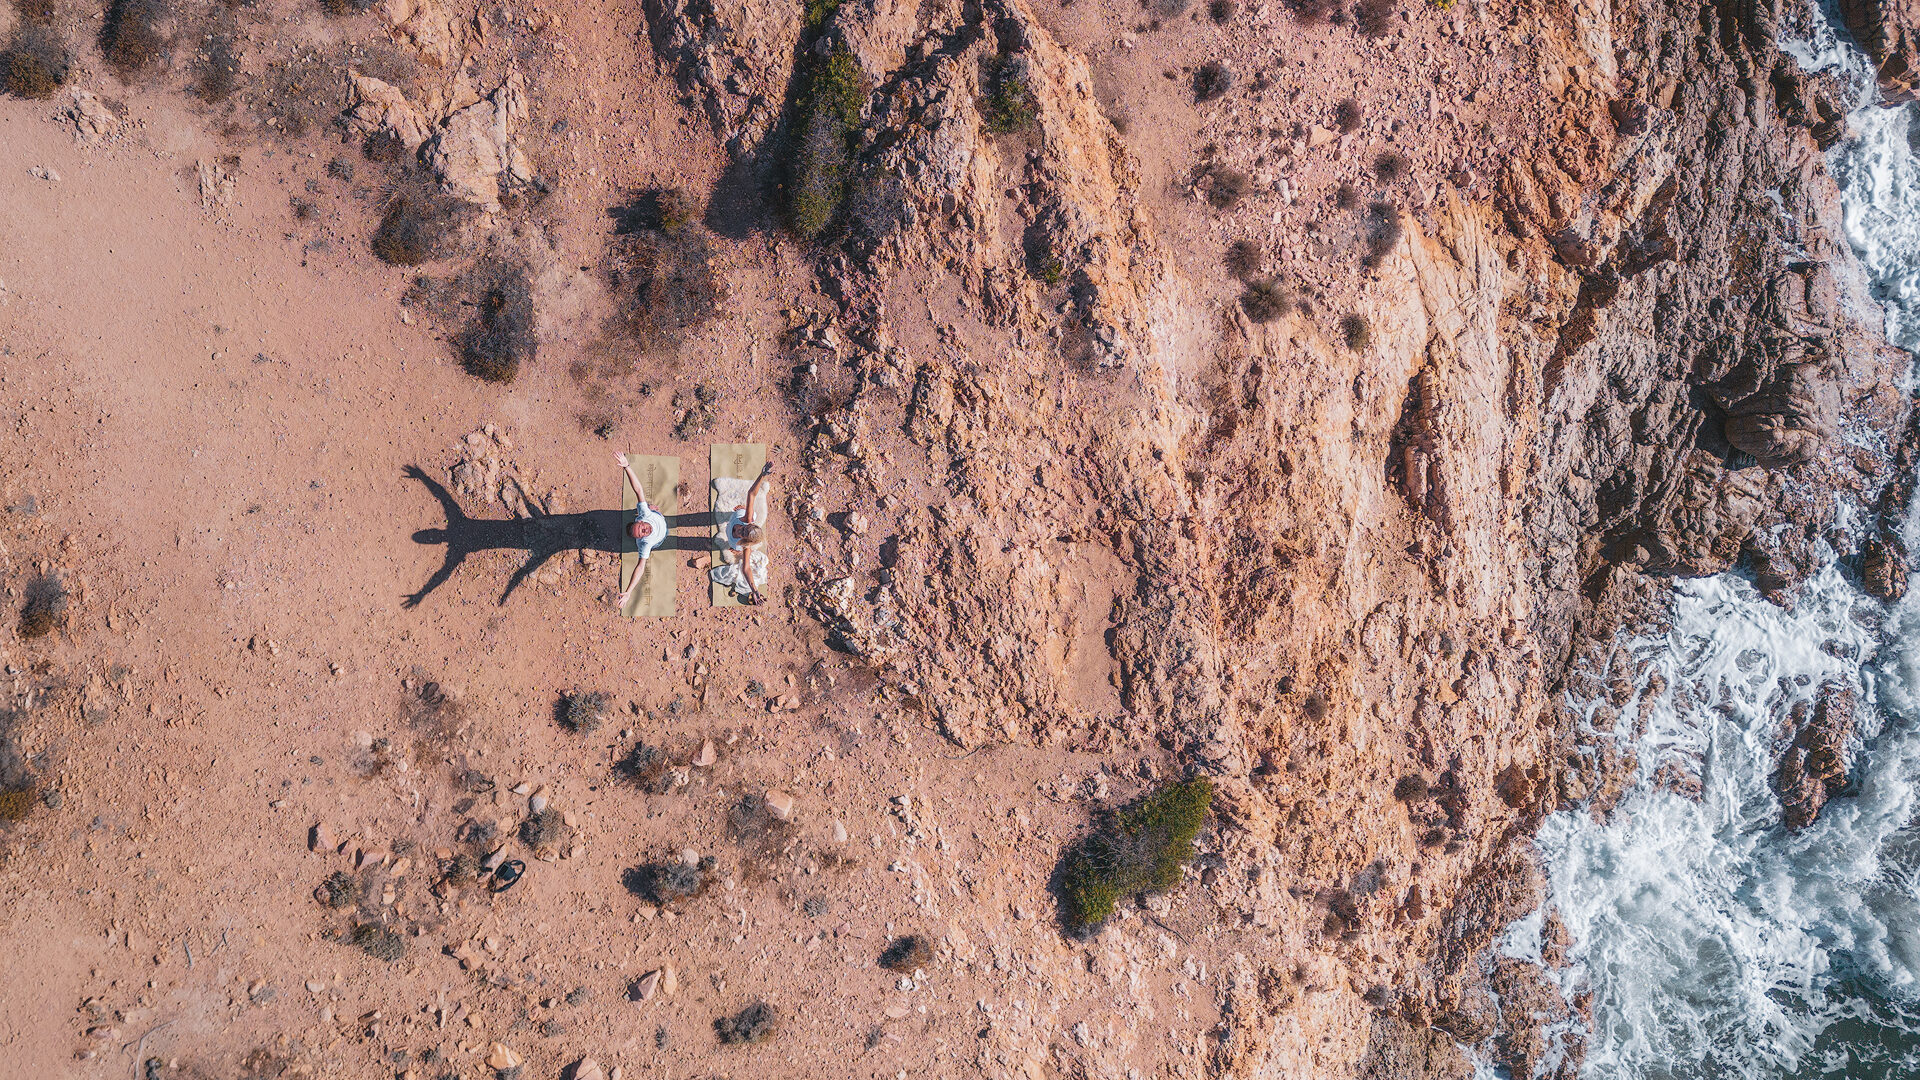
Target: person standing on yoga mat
646,530
744,529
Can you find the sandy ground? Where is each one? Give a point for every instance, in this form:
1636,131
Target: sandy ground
209,419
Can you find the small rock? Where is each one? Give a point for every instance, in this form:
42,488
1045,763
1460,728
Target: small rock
42,172
857,524
537,804
706,755
501,1058
1320,136
838,832
646,986
315,986
588,1069
321,838
522,788
896,1012
669,981
780,805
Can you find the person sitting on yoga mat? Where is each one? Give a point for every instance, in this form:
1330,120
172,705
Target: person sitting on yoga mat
743,530
646,530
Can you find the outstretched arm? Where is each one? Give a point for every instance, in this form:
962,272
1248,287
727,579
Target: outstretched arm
639,493
638,569
755,493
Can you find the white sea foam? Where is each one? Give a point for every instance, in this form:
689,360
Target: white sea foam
1715,942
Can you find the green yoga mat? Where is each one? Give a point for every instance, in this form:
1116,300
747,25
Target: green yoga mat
661,478
742,461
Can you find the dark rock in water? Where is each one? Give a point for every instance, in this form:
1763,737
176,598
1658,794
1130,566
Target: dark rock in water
1883,567
1814,767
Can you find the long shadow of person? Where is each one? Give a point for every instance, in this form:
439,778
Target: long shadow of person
541,536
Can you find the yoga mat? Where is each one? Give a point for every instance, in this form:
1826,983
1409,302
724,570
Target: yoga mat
660,475
742,461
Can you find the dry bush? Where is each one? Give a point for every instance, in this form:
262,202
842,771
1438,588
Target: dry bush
1265,300
1374,18
1346,197
1245,260
754,1024
906,953
1356,332
45,608
501,337
130,37
665,285
218,70
419,225
1314,12
1347,115
1222,11
1211,80
379,942
1391,167
1383,232
670,881
826,120
35,64
1224,186
583,712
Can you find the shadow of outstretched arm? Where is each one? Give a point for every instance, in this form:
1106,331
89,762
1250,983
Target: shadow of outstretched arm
451,536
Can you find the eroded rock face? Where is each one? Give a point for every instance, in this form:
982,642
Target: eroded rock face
1333,566
1889,31
1813,768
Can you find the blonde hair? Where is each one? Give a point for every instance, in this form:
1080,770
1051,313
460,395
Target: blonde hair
750,533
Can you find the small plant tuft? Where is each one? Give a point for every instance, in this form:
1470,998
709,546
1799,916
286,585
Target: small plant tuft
1245,260
1347,115
340,890
583,712
45,608
1346,197
1391,167
906,953
1314,12
1411,788
1383,232
1006,103
1222,11
1224,186
1142,848
1211,80
1356,332
379,942
754,1024
1265,300
1374,18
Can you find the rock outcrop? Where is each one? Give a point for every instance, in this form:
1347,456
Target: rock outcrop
1889,31
1813,768
1638,356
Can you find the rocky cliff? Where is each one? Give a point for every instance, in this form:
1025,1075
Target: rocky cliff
1361,568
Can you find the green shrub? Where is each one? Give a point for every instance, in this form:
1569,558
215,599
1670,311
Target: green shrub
1142,848
818,12
1007,105
824,126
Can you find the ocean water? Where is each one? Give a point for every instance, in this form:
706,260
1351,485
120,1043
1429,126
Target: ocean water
1716,943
